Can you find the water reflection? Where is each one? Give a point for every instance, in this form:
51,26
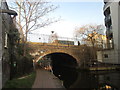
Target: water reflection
67,75
99,80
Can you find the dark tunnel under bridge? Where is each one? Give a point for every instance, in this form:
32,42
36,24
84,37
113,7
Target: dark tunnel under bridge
63,66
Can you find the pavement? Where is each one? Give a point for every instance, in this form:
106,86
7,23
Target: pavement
46,79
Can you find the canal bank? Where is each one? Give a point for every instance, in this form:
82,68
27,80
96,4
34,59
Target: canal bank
97,66
104,68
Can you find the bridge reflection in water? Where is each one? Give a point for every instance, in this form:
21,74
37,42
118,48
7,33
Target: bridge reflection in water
99,80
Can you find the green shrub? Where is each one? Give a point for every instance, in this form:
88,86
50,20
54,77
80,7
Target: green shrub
21,82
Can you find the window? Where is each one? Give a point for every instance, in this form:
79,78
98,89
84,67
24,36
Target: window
6,40
105,55
107,11
0,3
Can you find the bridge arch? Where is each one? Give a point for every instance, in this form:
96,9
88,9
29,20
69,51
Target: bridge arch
65,57
43,54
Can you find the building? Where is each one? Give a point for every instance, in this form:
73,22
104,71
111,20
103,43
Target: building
6,22
112,23
99,41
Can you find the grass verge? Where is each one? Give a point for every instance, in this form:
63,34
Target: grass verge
22,82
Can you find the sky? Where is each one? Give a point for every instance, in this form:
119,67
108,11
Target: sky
72,14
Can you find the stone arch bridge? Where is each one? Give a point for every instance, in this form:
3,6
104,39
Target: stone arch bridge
74,51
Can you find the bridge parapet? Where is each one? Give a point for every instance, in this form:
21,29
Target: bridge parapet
56,46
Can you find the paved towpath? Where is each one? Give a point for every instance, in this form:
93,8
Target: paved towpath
45,79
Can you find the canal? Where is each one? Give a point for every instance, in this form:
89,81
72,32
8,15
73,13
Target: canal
63,68
91,80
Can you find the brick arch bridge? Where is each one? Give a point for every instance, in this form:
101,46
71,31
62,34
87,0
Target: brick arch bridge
77,52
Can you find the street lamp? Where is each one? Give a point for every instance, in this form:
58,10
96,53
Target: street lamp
52,36
52,32
39,38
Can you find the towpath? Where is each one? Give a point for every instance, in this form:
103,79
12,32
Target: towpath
46,79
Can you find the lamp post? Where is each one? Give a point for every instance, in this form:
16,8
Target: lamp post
52,36
52,32
39,38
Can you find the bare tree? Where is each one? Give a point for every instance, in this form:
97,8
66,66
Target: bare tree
32,15
91,34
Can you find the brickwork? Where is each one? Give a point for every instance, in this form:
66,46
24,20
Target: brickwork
77,52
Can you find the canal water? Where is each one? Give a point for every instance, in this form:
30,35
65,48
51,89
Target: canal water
91,80
99,80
